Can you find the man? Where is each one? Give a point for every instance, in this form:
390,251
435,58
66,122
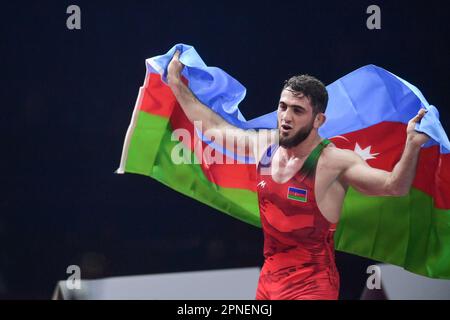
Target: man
302,181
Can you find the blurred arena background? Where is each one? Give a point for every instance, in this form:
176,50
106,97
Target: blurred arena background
67,98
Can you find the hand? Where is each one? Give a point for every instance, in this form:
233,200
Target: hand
174,69
413,136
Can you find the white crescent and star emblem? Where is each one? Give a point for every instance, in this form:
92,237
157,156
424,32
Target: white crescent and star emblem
365,153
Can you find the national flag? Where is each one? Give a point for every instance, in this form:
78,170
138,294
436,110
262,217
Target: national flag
297,194
368,111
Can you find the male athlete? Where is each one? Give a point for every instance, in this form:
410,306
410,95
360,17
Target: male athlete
302,181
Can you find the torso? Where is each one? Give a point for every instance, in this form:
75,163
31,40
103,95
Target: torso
328,189
292,214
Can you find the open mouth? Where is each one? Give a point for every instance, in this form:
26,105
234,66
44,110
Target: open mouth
285,127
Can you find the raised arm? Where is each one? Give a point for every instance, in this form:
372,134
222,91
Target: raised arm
246,141
372,181
192,107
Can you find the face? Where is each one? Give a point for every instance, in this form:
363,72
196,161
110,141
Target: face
296,118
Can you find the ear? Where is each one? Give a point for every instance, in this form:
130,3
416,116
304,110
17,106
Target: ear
319,120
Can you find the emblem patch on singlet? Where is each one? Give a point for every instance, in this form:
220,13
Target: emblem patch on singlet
297,194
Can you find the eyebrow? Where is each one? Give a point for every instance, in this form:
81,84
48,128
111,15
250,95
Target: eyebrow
292,105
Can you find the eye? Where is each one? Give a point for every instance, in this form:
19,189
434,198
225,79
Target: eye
282,106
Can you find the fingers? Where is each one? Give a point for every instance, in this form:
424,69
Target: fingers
419,115
422,112
176,56
174,68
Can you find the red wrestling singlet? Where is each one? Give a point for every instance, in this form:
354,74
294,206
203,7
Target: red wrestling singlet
298,240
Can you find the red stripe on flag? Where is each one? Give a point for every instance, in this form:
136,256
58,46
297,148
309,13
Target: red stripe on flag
433,176
157,97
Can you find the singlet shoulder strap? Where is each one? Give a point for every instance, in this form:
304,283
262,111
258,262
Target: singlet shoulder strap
311,162
266,159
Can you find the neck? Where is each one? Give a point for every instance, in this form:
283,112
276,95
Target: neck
303,149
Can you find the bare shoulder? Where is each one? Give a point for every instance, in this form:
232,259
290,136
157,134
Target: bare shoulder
339,159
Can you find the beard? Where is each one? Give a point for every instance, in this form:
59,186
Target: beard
297,138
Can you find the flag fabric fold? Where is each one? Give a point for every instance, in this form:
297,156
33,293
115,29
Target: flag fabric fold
368,112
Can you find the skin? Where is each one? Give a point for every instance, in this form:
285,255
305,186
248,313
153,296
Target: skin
337,169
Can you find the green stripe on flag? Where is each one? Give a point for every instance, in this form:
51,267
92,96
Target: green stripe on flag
144,144
406,231
149,154
302,199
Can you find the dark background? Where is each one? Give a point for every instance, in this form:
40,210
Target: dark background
67,98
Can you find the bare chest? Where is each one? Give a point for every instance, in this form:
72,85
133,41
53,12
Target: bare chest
284,170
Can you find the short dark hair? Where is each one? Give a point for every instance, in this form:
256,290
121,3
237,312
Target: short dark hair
312,88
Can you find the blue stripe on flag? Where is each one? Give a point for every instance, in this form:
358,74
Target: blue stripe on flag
296,190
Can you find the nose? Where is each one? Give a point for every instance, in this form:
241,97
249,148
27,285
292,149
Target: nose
286,115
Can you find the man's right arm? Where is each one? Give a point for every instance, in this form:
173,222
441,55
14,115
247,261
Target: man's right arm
196,111
192,107
372,181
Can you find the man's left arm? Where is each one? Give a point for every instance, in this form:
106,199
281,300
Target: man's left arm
372,181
